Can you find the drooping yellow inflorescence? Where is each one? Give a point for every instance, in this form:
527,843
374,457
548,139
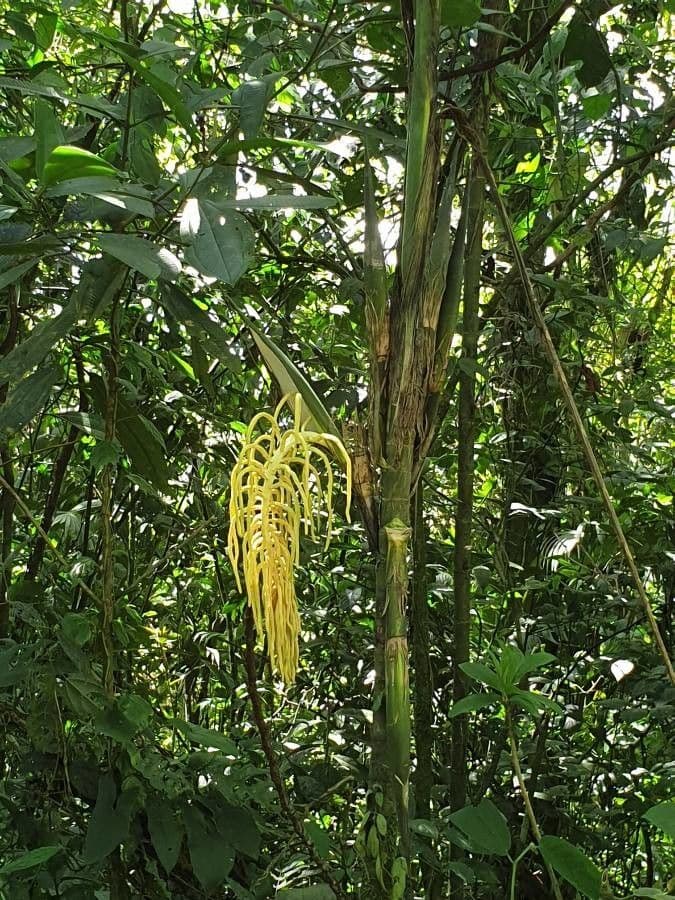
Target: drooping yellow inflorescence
277,492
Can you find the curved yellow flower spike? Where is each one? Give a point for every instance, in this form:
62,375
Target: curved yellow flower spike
277,492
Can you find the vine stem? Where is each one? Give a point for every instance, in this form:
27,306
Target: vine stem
271,757
527,802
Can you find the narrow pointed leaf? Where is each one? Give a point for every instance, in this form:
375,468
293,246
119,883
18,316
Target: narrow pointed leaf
26,400
292,381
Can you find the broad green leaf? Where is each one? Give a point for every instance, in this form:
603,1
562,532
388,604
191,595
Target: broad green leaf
236,826
211,858
480,672
585,43
220,243
205,737
12,148
459,13
45,28
319,838
68,162
292,381
532,661
29,396
76,628
466,873
109,822
534,702
30,860
251,98
663,816
572,865
485,827
472,703
166,832
425,828
597,105
142,255
124,718
48,134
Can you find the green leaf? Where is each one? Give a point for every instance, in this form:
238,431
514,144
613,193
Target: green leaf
485,827
124,718
41,340
29,860
596,106
572,865
481,673
165,91
585,43
425,828
68,162
45,28
140,439
205,737
663,816
280,201
105,453
211,858
251,98
109,822
319,838
472,703
532,661
10,276
292,381
220,243
459,13
237,827
76,628
166,832
142,255
48,134
29,396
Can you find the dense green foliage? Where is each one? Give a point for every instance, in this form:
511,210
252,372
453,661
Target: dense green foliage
172,176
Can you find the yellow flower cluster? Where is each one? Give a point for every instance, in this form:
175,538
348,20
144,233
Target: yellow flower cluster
277,492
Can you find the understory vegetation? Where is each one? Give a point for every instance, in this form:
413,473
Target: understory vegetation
337,449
